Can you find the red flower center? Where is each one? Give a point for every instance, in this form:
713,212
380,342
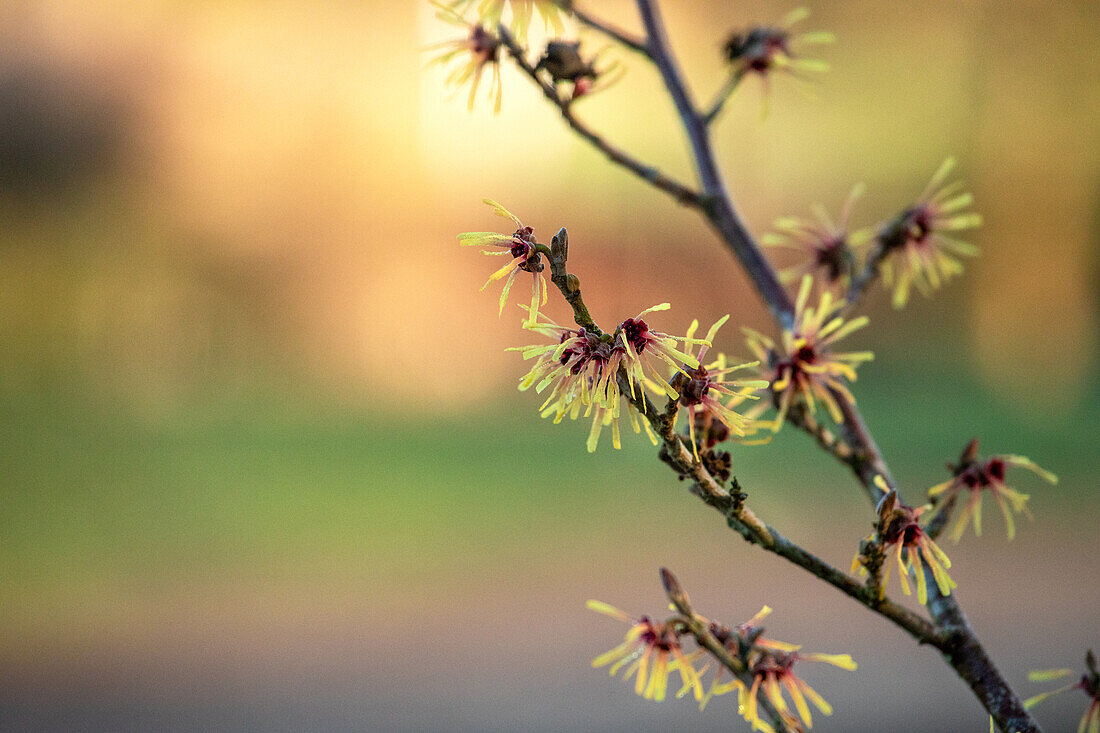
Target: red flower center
636,333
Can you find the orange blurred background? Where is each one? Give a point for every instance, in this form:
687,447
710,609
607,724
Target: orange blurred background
263,465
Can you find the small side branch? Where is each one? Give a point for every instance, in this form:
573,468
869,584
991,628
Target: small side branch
723,96
719,211
648,173
888,240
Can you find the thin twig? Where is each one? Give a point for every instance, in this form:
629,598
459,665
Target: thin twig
723,95
649,173
720,211
889,239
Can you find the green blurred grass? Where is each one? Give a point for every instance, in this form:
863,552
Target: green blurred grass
285,487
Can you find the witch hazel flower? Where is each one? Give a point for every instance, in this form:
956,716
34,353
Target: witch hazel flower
740,641
648,352
922,249
905,542
828,245
650,652
773,674
521,246
579,368
1089,683
709,393
973,477
802,368
766,50
470,55
771,664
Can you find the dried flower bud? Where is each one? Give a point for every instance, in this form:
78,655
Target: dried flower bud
559,247
563,60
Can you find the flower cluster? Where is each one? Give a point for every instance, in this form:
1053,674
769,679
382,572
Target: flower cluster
904,541
652,650
580,368
583,368
764,50
922,251
829,244
1089,683
974,476
521,246
802,368
771,666
480,48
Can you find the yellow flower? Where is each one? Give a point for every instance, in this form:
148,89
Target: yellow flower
773,673
709,394
1089,683
828,243
923,249
521,246
906,543
802,368
765,49
651,651
580,369
647,352
771,664
974,477
479,49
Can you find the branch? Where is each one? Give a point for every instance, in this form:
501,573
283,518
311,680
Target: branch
723,96
891,237
965,653
616,34
649,173
951,633
719,211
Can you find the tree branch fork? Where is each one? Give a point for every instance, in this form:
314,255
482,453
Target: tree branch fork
947,628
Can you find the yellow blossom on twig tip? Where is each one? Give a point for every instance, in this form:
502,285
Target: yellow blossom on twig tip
520,245
906,544
765,50
973,477
650,651
471,55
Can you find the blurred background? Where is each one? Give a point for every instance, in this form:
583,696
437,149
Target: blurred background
263,465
